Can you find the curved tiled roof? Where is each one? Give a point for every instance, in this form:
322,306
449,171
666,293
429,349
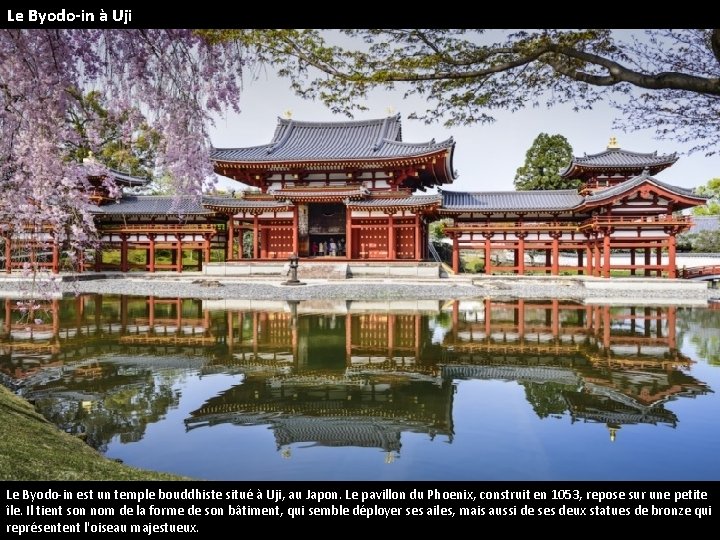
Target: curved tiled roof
396,202
152,204
326,141
705,223
128,179
620,159
638,180
231,202
511,201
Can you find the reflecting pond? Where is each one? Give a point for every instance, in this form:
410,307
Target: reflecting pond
224,389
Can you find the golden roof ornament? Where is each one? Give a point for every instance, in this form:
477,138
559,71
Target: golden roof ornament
613,143
288,114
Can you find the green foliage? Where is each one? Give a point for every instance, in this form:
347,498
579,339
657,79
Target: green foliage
33,449
712,190
120,140
707,242
665,78
699,327
546,158
547,399
473,264
162,185
437,229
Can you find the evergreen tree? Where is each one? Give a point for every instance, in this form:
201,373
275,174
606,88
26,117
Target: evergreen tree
548,156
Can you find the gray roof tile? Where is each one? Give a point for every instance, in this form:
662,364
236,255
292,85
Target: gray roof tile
705,223
351,192
302,141
621,159
628,185
411,201
152,204
230,202
500,201
129,180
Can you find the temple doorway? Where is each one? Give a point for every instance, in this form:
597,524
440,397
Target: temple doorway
326,230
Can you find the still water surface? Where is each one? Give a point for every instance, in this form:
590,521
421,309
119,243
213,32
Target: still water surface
377,390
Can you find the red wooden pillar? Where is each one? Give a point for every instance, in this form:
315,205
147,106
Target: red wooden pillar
230,245
521,319
179,253
488,317
456,253
606,255
123,253
548,261
632,261
296,231
230,333
658,261
348,334
123,313
8,315
391,237
598,264
488,256
606,326
455,319
418,244
8,255
390,336
98,258
672,328
151,253
580,264
555,256
521,254
647,261
206,249
348,234
588,259
256,237
671,266
151,313
55,257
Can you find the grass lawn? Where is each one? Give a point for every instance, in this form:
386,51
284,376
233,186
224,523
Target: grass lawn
31,448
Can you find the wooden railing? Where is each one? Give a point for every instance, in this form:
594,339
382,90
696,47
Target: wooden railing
155,227
519,225
700,271
662,219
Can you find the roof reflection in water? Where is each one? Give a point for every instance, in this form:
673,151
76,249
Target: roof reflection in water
343,373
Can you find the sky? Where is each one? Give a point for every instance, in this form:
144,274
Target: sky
486,156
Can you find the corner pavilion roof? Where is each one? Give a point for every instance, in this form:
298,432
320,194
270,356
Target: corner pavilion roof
617,160
639,180
128,180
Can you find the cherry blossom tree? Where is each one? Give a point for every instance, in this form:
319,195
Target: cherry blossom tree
169,81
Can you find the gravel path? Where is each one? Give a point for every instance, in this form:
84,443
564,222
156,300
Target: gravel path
445,289
355,289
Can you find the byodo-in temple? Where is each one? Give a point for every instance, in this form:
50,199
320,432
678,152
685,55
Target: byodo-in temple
356,373
348,191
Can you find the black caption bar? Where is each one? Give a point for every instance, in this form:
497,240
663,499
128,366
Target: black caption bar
145,508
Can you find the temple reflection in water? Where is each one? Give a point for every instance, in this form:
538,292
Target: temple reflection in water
332,373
